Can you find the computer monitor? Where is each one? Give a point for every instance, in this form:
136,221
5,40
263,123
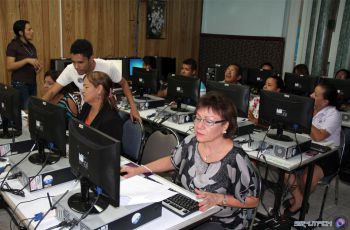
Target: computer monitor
256,78
299,85
286,112
59,64
239,94
144,81
10,111
216,72
95,157
342,86
47,126
134,62
183,90
165,66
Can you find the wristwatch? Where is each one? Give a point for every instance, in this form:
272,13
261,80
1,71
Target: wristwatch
224,201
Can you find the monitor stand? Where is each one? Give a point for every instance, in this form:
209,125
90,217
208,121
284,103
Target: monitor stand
82,202
42,157
178,107
279,135
6,133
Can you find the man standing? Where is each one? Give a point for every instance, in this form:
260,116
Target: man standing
84,62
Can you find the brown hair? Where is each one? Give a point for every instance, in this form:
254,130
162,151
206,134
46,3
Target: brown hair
223,105
99,78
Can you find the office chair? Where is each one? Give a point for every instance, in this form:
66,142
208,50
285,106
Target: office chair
124,115
260,193
326,181
133,140
159,144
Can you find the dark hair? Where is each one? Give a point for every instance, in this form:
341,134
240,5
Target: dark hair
347,73
99,78
330,93
266,63
53,74
70,88
191,62
82,46
301,69
149,60
279,82
224,106
239,68
18,26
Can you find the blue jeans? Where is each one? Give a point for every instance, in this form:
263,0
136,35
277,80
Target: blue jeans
26,90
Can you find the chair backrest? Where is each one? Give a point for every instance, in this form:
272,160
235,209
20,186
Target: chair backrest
159,144
123,115
252,217
132,140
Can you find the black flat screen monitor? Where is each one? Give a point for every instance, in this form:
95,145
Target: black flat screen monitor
183,90
10,111
47,126
95,157
343,88
256,78
239,94
144,81
165,66
286,111
299,85
134,62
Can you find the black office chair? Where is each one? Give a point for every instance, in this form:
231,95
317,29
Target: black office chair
326,181
133,140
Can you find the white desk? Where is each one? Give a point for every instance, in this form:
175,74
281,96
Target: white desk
168,220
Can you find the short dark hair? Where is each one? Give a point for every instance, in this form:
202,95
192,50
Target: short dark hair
18,26
224,106
53,74
191,62
239,68
150,60
279,82
266,63
82,46
301,69
347,73
330,93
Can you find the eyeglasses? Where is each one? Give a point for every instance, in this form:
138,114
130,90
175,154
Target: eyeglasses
206,122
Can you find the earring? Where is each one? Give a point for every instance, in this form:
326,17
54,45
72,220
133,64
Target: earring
224,131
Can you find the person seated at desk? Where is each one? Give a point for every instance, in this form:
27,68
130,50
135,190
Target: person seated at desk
64,98
326,126
233,74
99,110
149,62
342,74
301,70
210,165
272,83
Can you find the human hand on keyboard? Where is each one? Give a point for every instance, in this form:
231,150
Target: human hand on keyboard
208,199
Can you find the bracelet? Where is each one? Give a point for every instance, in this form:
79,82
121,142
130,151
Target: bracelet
150,171
224,201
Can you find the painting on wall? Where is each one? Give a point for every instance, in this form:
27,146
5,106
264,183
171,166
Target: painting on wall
156,19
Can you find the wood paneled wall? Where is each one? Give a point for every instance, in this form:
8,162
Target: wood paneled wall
111,26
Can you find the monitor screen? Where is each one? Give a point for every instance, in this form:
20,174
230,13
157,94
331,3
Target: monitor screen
255,77
298,85
10,111
286,111
134,62
343,88
95,157
238,93
183,90
47,126
144,81
166,66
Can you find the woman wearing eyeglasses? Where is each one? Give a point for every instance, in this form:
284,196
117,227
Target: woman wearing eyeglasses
211,166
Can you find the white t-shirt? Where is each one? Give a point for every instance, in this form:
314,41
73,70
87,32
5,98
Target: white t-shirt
70,74
329,119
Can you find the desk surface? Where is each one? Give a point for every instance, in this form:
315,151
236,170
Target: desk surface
168,220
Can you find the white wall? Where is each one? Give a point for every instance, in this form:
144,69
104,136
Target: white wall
244,17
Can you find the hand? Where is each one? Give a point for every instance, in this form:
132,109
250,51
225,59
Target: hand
208,199
130,171
135,115
34,62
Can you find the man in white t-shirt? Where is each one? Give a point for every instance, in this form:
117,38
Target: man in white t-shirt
84,62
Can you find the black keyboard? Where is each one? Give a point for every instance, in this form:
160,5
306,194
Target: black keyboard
319,148
180,204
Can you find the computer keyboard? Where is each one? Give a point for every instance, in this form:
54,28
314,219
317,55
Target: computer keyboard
319,148
180,204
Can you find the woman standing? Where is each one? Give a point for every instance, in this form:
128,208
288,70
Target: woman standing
22,61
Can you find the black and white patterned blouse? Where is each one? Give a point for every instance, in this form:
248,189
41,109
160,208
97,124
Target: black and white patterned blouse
233,175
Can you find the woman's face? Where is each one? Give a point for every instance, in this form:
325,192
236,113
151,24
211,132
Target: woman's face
48,83
206,132
90,92
28,32
271,85
320,102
